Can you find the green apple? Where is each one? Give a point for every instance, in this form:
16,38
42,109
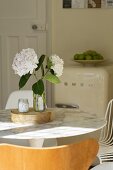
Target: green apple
81,57
88,57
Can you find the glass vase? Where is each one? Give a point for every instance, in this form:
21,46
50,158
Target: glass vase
39,102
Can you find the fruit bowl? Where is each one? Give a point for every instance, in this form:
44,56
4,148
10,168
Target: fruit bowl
89,56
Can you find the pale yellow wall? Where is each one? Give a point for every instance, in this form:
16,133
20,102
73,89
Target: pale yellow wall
76,30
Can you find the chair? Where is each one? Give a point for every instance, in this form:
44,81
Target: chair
12,101
104,166
77,156
106,138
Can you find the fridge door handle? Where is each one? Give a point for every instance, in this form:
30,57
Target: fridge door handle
62,105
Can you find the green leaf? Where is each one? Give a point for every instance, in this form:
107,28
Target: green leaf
38,87
42,69
52,78
23,80
41,60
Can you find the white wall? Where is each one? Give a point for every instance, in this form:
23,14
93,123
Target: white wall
75,30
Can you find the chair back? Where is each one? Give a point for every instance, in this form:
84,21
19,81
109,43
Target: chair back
105,153
12,101
104,166
106,136
77,156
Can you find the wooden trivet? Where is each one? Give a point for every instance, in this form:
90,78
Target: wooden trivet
31,116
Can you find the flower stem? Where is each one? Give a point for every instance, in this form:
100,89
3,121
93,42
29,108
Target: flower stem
45,73
34,73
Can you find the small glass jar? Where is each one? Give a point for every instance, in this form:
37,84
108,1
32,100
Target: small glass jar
23,105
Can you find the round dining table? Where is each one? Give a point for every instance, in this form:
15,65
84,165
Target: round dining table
66,124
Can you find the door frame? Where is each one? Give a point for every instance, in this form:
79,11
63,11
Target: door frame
49,86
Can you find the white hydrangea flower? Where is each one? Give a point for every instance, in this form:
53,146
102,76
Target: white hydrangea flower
57,64
25,61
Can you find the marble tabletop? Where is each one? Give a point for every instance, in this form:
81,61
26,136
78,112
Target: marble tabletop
66,123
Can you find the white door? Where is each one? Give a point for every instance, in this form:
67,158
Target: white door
22,25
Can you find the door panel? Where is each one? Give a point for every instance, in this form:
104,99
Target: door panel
18,8
16,33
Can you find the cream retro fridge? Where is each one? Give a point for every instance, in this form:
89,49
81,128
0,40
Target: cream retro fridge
90,88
